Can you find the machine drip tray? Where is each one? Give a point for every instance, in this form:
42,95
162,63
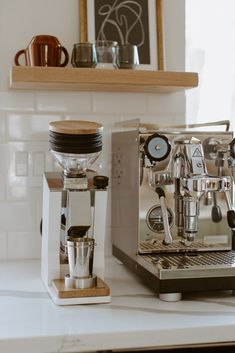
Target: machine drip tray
100,290
192,265
177,246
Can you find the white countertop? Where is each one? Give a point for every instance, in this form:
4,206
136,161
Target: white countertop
31,323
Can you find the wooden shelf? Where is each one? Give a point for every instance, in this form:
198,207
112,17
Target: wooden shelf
97,80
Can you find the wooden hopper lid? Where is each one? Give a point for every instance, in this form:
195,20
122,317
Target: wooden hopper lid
75,127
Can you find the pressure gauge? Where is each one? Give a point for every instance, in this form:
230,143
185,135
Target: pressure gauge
154,219
157,147
232,148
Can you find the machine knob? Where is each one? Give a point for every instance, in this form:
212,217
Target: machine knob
100,181
231,218
216,214
232,148
157,147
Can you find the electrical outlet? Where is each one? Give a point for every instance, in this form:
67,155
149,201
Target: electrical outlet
118,168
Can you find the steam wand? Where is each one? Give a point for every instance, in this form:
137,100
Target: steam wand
167,233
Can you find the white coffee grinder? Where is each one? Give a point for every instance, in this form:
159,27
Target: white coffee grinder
74,216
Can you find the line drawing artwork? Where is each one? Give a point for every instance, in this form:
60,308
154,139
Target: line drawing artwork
124,21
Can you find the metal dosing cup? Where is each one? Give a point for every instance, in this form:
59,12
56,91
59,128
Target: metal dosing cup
80,257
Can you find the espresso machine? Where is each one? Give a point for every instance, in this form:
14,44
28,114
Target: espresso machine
74,216
173,217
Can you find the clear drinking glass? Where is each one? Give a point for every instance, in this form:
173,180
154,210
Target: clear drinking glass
106,54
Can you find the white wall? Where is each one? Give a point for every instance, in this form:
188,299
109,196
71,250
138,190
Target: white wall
214,99
24,115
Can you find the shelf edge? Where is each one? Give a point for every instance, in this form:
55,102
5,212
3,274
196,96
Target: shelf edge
100,80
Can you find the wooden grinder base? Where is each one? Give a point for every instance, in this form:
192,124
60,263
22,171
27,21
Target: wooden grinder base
100,290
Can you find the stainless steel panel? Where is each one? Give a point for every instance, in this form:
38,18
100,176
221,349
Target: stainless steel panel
137,227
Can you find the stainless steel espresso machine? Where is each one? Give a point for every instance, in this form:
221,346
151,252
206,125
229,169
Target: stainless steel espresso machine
74,216
173,215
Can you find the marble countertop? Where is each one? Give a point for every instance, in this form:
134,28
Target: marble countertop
31,323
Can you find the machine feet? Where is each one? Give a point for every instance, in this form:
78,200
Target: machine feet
170,297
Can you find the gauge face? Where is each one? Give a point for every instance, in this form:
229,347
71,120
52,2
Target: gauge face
157,147
154,219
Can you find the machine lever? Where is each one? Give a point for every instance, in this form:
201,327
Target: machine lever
216,213
167,234
231,218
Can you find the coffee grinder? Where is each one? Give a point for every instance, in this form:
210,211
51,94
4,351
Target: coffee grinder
74,216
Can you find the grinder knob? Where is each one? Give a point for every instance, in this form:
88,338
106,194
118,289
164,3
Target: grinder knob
100,181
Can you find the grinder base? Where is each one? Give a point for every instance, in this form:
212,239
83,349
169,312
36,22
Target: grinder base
64,296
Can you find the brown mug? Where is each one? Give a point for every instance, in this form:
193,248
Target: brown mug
43,50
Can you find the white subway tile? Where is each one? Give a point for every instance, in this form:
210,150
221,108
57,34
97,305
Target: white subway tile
175,119
23,193
64,102
19,100
2,126
119,103
25,127
4,157
17,216
24,245
107,120
38,161
2,186
157,119
3,245
21,164
166,103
